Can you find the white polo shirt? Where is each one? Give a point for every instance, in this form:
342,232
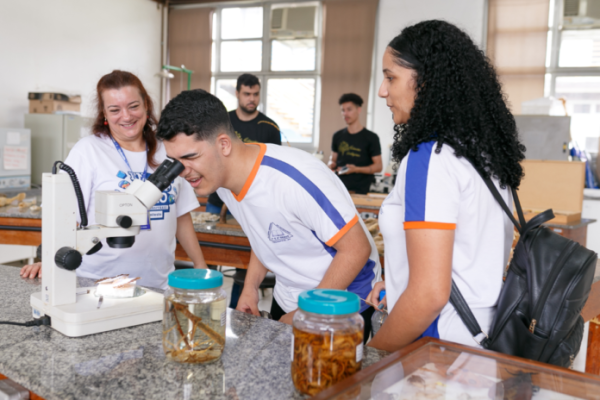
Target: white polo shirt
441,191
294,210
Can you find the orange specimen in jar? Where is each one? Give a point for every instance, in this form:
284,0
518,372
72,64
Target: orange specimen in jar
325,358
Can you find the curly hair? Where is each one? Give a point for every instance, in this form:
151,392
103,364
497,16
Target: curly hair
459,101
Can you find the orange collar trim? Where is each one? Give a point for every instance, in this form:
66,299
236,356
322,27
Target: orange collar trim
261,154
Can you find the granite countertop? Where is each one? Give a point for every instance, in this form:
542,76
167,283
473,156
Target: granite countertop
130,363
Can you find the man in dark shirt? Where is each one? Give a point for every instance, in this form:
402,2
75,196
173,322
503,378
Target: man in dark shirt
249,124
356,152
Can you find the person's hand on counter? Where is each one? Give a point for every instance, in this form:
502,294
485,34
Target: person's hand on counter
248,302
32,271
373,297
255,274
288,318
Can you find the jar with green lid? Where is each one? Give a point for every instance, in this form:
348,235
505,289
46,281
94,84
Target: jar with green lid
327,345
194,316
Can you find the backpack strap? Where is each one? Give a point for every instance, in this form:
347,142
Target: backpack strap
466,315
522,226
517,204
521,223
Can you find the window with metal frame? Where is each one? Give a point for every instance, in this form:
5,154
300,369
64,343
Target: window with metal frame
280,43
573,67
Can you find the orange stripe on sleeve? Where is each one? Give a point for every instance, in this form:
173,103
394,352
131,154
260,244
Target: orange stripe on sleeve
331,242
248,183
429,225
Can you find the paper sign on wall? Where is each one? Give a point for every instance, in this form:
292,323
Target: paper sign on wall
15,157
13,138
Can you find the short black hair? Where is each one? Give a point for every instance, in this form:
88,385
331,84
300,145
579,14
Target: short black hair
194,112
246,80
351,97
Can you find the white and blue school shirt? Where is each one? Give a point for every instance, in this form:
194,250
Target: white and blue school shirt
441,191
294,210
99,166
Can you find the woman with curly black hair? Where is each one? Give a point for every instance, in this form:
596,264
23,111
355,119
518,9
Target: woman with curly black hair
441,222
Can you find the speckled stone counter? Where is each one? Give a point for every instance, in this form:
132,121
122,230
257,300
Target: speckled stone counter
130,363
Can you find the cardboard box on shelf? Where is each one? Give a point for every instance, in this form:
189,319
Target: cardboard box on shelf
553,184
48,103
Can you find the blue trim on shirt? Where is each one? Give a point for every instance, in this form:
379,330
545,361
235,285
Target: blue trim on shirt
361,285
415,192
432,330
332,252
309,186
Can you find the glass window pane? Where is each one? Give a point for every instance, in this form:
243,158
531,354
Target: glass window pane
242,23
241,56
580,48
583,105
293,55
290,103
225,91
214,26
213,57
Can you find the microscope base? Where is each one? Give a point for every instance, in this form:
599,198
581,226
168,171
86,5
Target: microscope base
84,318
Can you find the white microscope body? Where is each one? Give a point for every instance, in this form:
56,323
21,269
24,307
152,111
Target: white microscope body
119,215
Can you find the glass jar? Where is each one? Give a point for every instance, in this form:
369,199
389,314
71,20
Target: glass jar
194,316
327,345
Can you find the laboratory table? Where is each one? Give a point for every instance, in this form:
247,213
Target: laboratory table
20,226
130,364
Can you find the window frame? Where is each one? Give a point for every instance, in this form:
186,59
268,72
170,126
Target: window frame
266,74
553,70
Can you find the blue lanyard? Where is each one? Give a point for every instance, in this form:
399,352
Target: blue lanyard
124,157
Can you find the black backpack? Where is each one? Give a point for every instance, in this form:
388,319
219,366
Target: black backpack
547,284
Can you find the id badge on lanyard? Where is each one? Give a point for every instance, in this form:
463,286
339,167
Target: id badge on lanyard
144,175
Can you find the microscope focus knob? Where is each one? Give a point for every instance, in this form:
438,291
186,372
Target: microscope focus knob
68,258
124,221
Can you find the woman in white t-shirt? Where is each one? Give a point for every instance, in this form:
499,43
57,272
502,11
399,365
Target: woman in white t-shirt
441,223
124,148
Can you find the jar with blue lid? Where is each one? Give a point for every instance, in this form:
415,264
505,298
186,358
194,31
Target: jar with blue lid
327,345
195,316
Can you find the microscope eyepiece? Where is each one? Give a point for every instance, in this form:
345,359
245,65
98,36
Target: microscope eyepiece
166,173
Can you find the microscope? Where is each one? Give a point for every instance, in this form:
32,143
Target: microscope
119,215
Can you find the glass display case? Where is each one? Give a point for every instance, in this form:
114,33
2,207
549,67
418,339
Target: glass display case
434,369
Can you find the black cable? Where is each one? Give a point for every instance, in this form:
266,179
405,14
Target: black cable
45,320
78,194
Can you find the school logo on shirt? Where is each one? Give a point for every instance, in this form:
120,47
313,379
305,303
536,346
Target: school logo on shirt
278,234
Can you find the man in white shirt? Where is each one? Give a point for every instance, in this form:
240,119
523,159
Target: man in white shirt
298,216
